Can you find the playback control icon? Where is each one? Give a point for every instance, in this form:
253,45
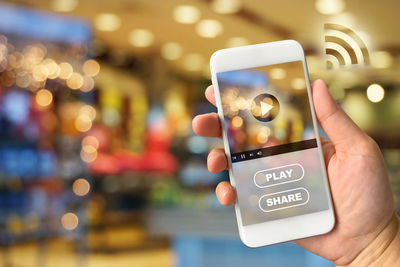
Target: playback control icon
248,155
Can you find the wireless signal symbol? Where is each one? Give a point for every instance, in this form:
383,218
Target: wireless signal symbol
344,47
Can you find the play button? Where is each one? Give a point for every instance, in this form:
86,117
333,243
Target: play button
265,107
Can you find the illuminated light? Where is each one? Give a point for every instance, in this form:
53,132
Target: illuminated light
381,59
81,187
75,81
88,154
237,122
209,28
69,221
193,62
330,7
53,70
90,141
88,110
83,123
186,14
171,51
298,83
39,73
63,5
66,70
23,81
375,93
141,38
277,73
226,6
237,41
262,137
107,22
91,67
43,97
88,84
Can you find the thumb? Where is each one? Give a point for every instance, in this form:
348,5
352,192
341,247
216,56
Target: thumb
341,130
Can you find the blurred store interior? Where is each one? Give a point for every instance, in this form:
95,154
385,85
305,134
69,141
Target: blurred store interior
98,162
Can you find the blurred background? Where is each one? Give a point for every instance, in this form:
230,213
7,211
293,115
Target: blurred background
98,162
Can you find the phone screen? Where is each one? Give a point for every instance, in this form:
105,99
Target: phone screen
275,160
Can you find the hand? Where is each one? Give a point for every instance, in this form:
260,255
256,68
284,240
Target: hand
366,224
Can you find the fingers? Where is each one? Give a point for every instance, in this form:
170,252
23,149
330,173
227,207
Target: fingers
210,94
216,160
341,130
226,194
207,125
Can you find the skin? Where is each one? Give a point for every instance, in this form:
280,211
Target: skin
366,229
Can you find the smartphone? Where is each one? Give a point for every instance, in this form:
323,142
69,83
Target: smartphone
272,143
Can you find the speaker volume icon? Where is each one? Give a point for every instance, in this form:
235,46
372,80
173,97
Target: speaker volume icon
344,47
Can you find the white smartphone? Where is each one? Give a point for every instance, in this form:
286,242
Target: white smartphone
272,143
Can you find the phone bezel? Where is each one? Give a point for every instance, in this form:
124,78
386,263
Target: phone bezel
286,229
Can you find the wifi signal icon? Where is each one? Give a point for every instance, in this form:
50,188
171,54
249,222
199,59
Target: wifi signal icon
344,47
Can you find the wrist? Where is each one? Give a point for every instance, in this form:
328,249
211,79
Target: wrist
384,249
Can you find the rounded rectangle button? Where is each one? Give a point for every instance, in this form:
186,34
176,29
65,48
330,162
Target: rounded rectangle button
284,200
279,175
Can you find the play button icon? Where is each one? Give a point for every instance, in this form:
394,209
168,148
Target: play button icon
265,107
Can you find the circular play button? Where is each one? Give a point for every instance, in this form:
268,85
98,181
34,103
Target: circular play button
265,107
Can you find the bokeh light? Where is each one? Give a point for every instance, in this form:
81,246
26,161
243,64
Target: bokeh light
91,67
43,97
375,93
69,221
186,14
81,187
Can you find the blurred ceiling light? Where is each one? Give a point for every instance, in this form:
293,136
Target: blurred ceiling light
298,83
88,154
88,84
237,122
141,38
277,73
381,59
65,70
83,123
90,141
237,41
171,51
107,22
375,93
193,62
81,187
186,14
43,97
91,67
262,137
226,6
209,28
63,5
53,70
69,221
39,73
75,81
330,7
89,111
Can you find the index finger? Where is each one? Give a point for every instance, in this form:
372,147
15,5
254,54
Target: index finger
210,95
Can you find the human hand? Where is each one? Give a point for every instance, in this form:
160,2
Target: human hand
367,228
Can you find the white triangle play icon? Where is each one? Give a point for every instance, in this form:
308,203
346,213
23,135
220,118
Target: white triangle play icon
265,108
